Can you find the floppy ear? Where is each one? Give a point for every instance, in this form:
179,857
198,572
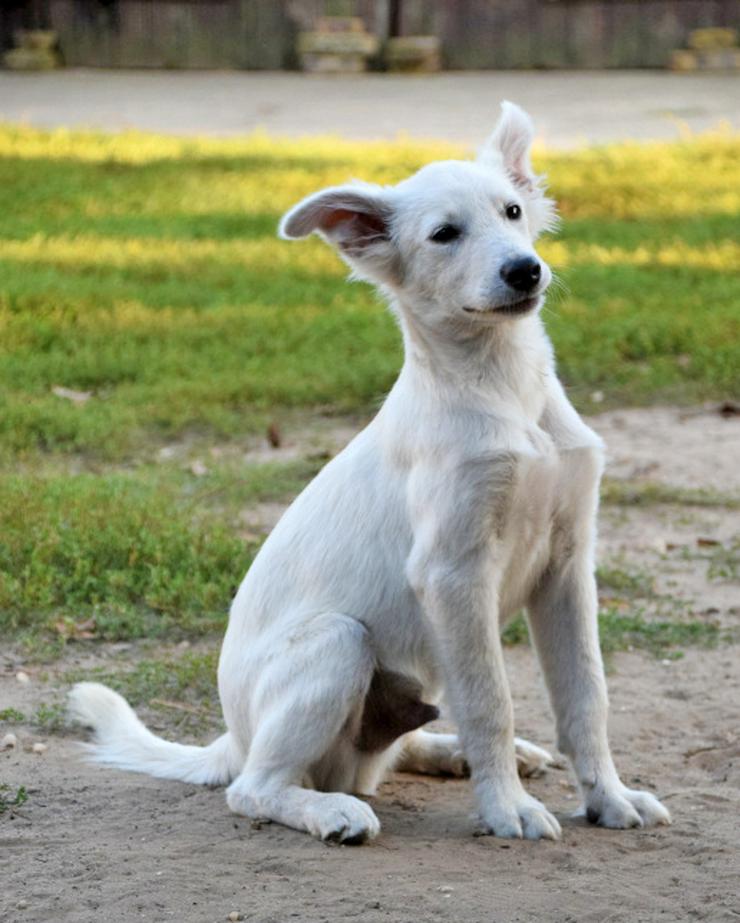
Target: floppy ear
356,219
509,147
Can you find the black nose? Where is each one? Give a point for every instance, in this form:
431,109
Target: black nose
521,274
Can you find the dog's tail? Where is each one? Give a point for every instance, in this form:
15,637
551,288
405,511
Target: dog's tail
121,740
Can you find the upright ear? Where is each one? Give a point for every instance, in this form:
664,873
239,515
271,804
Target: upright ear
357,220
509,147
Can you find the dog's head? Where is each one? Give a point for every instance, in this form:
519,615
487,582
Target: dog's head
452,242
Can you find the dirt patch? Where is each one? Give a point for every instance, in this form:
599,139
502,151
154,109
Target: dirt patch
693,448
92,843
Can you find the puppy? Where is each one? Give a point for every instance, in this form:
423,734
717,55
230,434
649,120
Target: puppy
386,584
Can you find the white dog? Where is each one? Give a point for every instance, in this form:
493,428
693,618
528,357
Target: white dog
472,493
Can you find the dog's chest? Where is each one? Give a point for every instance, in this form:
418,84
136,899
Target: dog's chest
530,515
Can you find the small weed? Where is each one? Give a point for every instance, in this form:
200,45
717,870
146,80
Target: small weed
182,686
12,716
724,561
7,803
620,632
49,718
616,492
628,583
517,631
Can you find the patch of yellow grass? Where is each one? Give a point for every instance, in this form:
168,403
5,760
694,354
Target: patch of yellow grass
724,255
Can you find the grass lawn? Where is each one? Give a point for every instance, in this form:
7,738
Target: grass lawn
144,271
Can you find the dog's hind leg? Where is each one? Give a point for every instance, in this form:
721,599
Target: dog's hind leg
433,755
441,755
308,704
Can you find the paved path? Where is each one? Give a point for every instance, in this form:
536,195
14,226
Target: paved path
569,107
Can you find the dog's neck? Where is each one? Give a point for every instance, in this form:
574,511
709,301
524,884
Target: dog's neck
505,364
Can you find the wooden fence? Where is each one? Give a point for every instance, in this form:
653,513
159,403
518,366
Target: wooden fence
260,34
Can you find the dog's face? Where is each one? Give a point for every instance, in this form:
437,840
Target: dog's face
454,242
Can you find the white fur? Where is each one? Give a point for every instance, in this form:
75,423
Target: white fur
472,493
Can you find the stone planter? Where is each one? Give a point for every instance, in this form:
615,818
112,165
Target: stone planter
35,39
710,50
36,51
337,46
418,54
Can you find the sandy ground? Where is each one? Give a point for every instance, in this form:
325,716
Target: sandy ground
94,844
569,108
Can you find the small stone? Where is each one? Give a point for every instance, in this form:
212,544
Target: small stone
445,889
235,915
9,742
597,397
39,748
198,468
22,677
21,905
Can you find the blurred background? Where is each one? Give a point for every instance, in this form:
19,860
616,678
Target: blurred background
377,34
428,68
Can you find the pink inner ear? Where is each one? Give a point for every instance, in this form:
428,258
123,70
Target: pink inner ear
364,222
336,216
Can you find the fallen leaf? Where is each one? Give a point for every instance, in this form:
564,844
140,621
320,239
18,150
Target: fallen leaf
729,409
707,542
274,436
75,631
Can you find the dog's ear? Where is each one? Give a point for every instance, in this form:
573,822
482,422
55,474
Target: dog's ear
356,219
509,147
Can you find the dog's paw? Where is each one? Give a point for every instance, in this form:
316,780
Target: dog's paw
342,819
522,816
443,756
624,807
532,760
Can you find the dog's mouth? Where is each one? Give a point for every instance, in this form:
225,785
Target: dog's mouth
509,308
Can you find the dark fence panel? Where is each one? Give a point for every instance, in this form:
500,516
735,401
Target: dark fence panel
260,34
573,33
171,34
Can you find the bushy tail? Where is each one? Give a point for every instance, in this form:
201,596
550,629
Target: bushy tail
121,740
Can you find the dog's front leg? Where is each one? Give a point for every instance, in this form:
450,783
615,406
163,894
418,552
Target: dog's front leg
564,626
455,571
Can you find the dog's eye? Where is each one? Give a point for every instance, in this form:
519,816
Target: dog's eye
513,212
445,234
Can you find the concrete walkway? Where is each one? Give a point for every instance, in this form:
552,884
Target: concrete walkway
569,107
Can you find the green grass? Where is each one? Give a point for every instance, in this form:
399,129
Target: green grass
616,492
145,271
619,632
180,688
660,637
618,579
141,552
